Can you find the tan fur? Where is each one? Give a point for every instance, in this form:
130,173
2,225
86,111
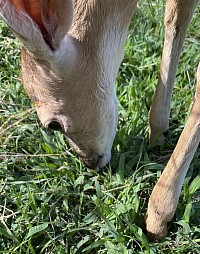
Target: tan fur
164,198
69,70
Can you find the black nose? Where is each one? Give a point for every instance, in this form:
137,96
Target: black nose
55,126
92,162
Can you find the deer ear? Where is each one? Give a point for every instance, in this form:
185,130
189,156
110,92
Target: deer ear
39,24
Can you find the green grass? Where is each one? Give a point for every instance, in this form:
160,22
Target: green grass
51,203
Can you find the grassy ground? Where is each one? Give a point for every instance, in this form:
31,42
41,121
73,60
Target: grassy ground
51,203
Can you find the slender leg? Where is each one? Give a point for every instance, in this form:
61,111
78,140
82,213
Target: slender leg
165,195
177,18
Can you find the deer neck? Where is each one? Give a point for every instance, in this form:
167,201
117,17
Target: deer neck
100,27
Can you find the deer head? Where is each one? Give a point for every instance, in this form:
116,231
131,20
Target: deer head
71,52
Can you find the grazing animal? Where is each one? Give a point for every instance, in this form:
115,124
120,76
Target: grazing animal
71,53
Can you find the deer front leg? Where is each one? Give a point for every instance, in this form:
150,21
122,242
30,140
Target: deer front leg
177,18
165,195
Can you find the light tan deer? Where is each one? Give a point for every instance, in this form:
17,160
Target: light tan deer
70,58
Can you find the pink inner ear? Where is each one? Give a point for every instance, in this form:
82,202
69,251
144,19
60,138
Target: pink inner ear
34,8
